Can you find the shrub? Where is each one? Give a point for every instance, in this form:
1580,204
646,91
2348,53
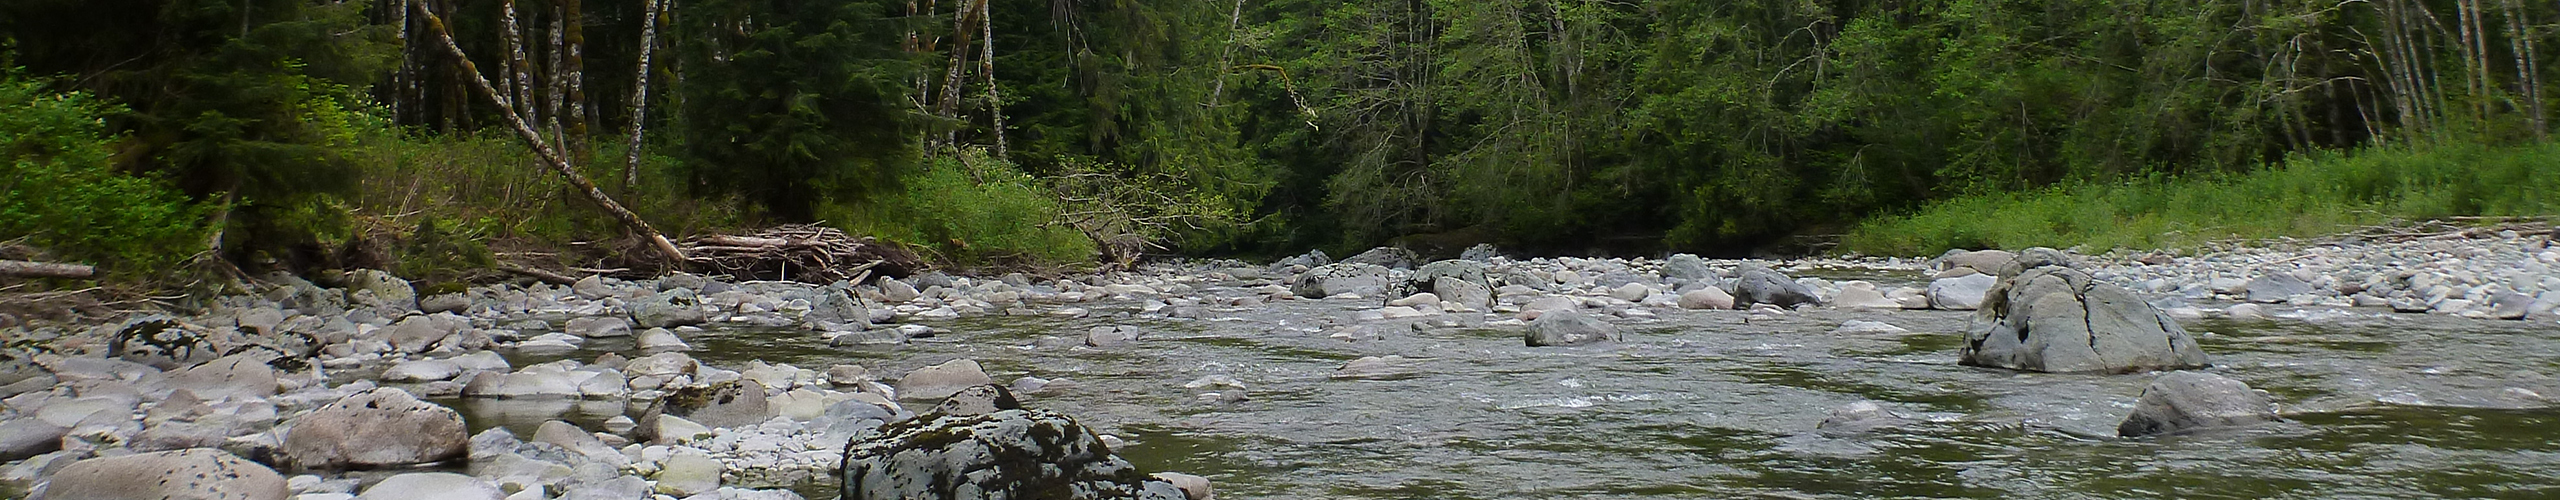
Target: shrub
60,192
974,211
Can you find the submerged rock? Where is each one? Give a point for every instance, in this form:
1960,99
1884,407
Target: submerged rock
2056,319
2185,400
999,455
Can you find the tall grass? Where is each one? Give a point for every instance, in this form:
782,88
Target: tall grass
2308,195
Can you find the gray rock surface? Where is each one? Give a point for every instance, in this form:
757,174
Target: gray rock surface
2055,319
941,381
2275,287
1005,454
192,474
730,403
2179,401
1961,293
1567,328
1328,280
1760,285
1387,257
668,309
376,428
432,486
377,288
1687,267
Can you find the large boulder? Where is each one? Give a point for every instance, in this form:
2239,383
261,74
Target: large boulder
376,428
1760,285
1982,261
998,455
1687,267
238,376
668,309
1366,280
190,474
1569,327
2184,400
1387,257
2056,319
1961,293
420,333
598,327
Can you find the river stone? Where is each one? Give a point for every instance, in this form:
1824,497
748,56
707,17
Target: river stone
1984,261
941,381
419,333
237,376
1760,285
660,339
379,427
1193,487
444,303
1466,293
978,400
668,309
1005,454
591,288
1631,292
688,473
1342,278
1386,257
1962,293
432,486
1568,328
377,288
1687,267
2276,287
191,474
596,327
724,404
1480,252
28,437
1706,298
2183,400
896,291
1862,295
2056,319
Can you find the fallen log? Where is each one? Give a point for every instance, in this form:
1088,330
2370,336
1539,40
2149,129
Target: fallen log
537,274
26,269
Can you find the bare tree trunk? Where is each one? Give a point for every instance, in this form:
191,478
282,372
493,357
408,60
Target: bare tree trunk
550,157
574,65
640,96
519,68
951,82
2528,74
557,81
1227,55
400,79
987,66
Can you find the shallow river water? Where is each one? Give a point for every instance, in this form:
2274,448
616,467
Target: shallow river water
1705,404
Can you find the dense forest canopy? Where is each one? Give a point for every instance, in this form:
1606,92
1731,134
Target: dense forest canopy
1270,126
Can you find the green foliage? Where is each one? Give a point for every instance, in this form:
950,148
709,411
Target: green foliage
2307,195
793,103
974,210
59,190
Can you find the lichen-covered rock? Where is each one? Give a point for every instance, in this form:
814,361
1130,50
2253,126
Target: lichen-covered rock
667,309
731,403
2056,319
1342,278
376,288
191,474
1009,454
380,427
2180,401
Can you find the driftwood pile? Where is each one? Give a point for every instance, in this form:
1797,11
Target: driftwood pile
803,253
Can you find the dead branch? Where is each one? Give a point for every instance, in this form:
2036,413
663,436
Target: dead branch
27,269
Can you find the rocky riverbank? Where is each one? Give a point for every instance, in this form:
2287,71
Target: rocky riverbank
326,386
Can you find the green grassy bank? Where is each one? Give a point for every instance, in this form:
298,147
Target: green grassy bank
2308,195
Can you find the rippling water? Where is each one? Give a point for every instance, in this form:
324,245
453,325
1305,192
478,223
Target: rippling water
1707,405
